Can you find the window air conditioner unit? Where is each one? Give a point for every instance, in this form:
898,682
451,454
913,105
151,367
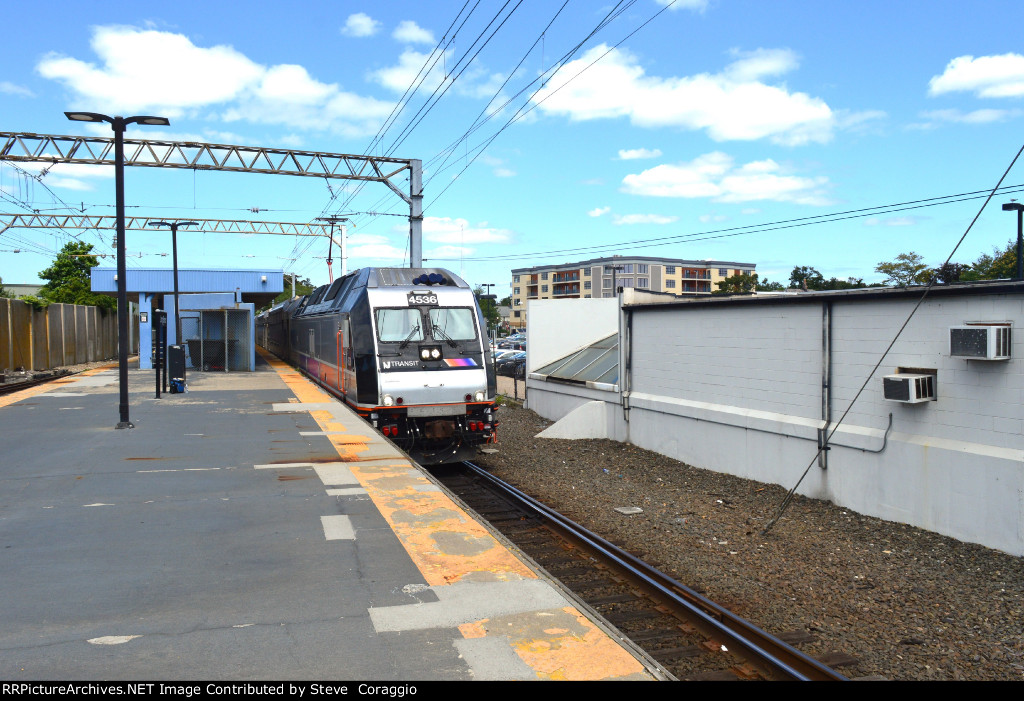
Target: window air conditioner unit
989,342
909,389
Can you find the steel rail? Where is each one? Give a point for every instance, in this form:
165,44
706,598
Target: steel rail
773,656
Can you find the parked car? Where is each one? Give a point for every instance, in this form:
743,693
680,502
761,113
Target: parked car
506,366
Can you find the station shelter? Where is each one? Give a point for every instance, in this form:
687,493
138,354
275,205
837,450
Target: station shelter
218,309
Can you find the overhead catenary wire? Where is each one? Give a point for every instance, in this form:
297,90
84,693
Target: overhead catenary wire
924,295
763,227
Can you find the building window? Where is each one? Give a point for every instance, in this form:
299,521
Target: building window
607,294
586,284
516,313
607,283
586,272
670,270
586,296
543,288
517,302
515,278
670,283
641,269
515,290
543,276
626,282
642,281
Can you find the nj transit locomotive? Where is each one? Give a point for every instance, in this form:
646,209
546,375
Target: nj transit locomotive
404,347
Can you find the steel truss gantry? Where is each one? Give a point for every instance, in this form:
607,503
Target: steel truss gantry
99,150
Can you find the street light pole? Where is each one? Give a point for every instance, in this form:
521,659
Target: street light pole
489,296
1015,206
174,247
119,124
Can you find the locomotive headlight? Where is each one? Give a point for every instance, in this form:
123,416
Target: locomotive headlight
479,396
389,400
424,354
435,353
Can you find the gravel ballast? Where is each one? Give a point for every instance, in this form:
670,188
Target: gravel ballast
907,603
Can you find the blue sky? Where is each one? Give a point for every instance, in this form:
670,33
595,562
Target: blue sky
690,131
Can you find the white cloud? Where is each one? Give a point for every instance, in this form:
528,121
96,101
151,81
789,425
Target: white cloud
398,78
360,25
69,176
715,176
498,166
411,33
731,105
461,232
711,218
599,211
983,116
638,153
626,219
985,76
699,5
12,89
163,73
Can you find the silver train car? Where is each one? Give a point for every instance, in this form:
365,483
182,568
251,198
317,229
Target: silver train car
406,348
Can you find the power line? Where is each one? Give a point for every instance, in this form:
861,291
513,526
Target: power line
924,295
763,227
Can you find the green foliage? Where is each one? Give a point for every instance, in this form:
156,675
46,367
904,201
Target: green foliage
737,284
4,292
1002,264
907,269
805,277
489,307
302,287
767,286
68,279
35,302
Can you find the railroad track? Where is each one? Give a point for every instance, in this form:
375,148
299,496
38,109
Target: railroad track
688,634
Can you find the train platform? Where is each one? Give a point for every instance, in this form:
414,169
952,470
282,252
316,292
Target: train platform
253,528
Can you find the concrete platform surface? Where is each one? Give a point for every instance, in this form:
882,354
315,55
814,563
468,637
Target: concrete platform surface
255,529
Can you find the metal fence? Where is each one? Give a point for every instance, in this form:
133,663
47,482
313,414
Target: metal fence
57,336
217,339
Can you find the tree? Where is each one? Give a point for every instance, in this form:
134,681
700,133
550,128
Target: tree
1001,264
4,292
737,284
302,287
950,272
770,286
805,277
505,302
907,269
488,307
68,278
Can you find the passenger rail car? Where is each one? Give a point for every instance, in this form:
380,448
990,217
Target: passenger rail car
406,348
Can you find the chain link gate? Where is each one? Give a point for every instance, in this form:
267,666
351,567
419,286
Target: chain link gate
218,339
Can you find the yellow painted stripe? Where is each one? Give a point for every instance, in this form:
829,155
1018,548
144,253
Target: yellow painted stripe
447,546
15,397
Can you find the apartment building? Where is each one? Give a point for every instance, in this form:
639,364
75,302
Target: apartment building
600,277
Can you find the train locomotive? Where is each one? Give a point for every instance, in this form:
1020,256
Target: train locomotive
406,348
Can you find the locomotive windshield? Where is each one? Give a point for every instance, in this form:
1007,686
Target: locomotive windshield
456,324
398,325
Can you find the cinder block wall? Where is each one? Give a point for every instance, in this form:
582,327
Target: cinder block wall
738,389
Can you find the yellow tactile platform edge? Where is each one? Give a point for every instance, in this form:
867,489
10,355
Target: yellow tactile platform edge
447,546
14,397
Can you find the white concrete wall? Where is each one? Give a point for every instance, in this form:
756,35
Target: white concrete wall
558,327
737,389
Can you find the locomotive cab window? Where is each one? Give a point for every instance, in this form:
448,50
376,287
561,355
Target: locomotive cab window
397,325
455,323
